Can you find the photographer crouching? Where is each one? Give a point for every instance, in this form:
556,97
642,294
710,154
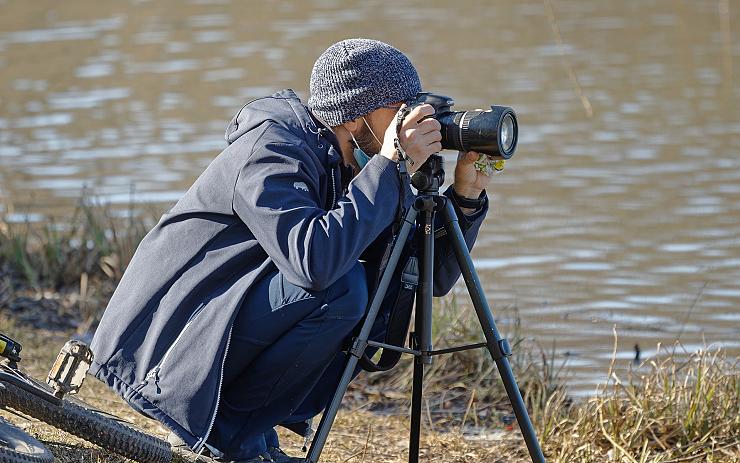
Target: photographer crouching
232,316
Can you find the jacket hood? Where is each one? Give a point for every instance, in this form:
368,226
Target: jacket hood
283,108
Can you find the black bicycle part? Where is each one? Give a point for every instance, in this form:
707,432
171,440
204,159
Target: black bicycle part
427,204
18,447
10,348
82,420
10,375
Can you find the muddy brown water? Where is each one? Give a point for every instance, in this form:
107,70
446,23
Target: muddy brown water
621,207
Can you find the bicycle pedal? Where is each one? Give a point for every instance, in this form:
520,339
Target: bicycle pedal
70,367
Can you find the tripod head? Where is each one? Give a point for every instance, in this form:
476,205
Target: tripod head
430,176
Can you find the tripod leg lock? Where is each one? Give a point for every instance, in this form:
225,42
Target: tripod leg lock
358,347
501,349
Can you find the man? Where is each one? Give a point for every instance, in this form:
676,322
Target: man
232,314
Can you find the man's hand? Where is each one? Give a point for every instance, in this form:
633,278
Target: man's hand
469,182
419,137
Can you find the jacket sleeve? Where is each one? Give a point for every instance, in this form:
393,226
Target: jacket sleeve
277,196
446,268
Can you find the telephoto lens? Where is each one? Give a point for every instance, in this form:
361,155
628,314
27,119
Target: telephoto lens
493,132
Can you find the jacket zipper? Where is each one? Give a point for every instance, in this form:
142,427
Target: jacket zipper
333,190
202,442
154,372
332,168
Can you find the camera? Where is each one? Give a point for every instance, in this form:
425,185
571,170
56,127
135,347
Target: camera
493,132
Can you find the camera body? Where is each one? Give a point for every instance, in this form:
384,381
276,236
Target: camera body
493,132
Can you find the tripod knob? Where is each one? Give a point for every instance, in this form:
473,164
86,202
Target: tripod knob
503,349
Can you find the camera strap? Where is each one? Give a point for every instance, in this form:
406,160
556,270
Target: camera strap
403,174
402,113
399,321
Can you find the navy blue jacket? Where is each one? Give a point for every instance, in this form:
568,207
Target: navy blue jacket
272,199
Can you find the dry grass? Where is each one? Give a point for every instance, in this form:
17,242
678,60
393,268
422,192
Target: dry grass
673,409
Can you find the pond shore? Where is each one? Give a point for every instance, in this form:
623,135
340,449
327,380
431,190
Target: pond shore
55,282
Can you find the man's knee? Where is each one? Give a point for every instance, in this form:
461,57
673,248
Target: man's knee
347,298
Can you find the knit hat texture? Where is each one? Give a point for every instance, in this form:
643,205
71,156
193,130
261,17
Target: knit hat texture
354,77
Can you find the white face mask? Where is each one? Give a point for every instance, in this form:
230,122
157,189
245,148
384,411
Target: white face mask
360,156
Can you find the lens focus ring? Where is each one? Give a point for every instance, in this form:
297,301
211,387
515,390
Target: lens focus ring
463,133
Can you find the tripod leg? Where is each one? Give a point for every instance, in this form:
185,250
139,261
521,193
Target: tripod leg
416,396
422,322
497,346
360,343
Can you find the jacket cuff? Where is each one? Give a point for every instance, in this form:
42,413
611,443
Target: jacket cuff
466,221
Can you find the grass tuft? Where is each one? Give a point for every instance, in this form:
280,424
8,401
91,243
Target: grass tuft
672,409
97,242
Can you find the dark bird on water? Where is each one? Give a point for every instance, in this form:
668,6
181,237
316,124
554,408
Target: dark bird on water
637,354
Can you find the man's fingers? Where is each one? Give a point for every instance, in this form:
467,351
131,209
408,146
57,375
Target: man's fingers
421,134
422,139
423,130
420,112
433,136
430,125
410,133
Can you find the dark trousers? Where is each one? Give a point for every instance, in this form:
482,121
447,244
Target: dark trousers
284,359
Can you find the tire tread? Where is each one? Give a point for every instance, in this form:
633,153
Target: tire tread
85,423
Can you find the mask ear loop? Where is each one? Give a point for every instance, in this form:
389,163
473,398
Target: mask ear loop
353,137
371,131
357,145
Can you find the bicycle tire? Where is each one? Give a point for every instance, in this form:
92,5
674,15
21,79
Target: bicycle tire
81,420
18,447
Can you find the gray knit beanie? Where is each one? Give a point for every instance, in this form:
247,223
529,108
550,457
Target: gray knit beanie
357,76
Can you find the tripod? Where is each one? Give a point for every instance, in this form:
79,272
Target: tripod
427,204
